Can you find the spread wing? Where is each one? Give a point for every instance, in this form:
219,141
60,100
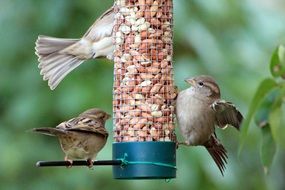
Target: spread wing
84,124
227,114
102,27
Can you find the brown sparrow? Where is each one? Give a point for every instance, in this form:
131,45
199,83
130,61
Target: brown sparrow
58,56
81,137
199,109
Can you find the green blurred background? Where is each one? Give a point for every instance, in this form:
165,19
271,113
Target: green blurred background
231,40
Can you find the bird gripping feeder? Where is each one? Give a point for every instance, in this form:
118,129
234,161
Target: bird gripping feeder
143,92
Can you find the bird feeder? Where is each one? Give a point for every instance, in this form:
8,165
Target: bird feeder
143,91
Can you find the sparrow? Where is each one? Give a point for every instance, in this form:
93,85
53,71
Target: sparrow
59,56
81,137
199,109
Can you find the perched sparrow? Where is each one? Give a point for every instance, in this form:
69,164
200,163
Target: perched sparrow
199,109
59,56
81,137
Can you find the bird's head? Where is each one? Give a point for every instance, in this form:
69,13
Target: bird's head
96,114
204,86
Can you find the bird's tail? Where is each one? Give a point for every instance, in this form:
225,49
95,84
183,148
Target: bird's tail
218,152
49,131
54,63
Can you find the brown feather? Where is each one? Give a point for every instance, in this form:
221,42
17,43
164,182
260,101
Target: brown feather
227,114
218,153
49,131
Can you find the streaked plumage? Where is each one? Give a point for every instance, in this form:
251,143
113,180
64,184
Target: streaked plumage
199,109
81,137
59,56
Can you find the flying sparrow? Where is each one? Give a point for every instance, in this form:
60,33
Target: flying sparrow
81,137
59,56
199,109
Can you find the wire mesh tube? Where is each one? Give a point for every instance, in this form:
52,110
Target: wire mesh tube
144,90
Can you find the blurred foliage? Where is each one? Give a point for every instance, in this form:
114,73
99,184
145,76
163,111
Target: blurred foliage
230,40
267,107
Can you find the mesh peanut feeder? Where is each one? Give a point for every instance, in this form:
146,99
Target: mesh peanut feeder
144,90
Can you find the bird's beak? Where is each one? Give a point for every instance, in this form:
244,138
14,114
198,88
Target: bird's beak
191,81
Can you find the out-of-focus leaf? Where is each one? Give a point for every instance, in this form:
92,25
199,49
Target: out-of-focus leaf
277,63
268,148
264,88
262,114
262,120
275,117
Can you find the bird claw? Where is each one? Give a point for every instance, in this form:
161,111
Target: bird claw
69,161
90,163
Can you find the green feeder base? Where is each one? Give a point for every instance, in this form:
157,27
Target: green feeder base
145,160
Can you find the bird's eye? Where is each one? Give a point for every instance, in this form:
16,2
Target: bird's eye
200,83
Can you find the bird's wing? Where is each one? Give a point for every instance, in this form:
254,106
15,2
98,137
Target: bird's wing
102,27
227,114
85,124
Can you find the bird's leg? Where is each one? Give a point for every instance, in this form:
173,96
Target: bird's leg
68,160
89,163
177,145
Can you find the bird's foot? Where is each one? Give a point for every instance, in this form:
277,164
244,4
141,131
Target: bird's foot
89,163
70,162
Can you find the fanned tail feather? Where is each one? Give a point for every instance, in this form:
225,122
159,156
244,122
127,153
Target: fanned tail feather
218,153
54,64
